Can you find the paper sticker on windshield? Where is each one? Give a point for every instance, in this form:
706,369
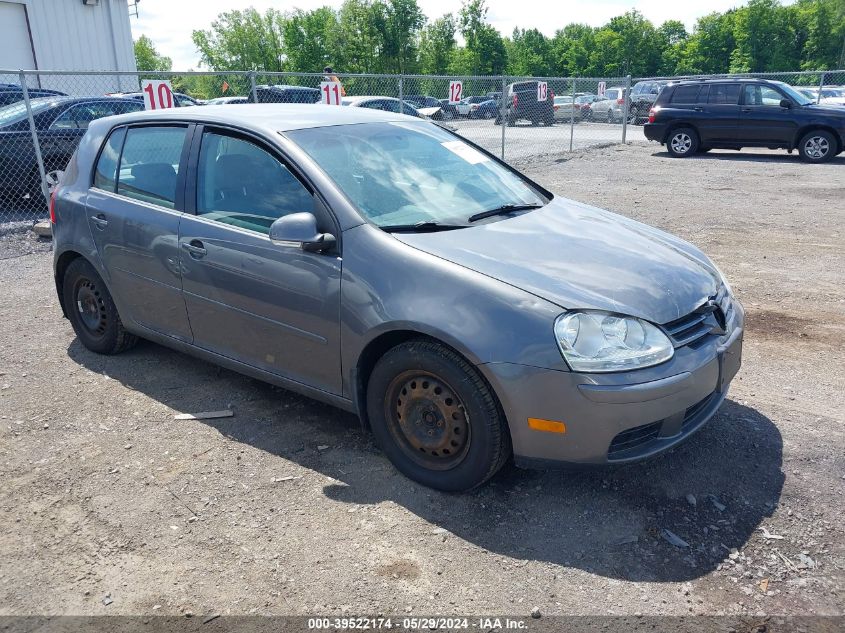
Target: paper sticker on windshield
469,154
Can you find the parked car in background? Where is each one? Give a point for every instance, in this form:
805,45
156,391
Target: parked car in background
227,101
431,107
584,101
388,104
643,96
180,99
566,109
521,104
834,95
465,313
697,116
610,107
448,111
464,107
60,123
11,93
485,110
285,94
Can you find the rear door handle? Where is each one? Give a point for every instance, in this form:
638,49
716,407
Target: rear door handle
746,110
100,221
698,109
195,248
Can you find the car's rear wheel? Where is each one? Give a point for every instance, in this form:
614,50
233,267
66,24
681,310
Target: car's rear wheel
435,417
92,312
818,146
682,142
488,114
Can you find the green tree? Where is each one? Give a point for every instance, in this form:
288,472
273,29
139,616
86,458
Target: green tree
530,53
148,58
309,38
243,40
484,53
403,21
360,41
437,44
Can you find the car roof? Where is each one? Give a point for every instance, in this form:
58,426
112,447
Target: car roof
725,80
265,117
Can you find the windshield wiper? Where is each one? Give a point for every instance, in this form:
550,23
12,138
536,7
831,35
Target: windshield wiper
503,210
426,226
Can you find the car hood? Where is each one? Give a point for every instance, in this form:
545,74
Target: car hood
578,256
828,107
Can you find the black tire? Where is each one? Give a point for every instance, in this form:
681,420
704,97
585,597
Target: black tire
682,142
453,435
92,312
488,114
818,146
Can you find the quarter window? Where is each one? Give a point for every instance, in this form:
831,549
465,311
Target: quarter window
724,94
685,94
149,166
241,184
105,176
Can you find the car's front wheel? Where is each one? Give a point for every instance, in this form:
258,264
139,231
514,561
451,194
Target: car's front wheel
92,312
818,146
682,142
435,417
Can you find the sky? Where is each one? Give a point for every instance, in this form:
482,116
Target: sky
169,23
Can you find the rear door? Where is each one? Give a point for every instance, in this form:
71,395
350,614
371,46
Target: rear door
719,105
762,119
274,307
134,208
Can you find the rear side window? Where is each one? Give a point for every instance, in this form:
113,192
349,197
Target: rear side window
724,94
685,94
149,165
105,175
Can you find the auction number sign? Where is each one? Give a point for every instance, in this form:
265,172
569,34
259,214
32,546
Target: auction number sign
330,92
542,91
158,94
602,88
456,91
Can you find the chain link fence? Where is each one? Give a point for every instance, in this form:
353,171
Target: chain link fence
44,114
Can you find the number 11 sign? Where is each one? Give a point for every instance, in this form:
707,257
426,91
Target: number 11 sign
330,92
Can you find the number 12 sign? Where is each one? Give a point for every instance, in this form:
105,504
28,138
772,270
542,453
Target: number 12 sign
157,94
456,91
330,92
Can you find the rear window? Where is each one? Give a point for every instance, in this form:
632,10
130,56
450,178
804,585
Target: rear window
105,176
149,165
724,94
685,94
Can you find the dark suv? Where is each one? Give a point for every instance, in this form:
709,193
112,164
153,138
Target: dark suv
521,103
285,94
643,96
696,116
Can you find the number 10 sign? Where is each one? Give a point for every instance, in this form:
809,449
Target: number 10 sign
330,92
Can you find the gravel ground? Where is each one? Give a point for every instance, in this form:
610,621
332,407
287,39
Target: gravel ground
111,506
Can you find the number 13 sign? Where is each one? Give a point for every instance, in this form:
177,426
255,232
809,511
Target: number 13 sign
330,92
157,94
542,91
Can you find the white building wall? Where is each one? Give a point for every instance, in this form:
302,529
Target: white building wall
69,35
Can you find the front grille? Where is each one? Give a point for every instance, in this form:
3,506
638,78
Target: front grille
710,317
642,436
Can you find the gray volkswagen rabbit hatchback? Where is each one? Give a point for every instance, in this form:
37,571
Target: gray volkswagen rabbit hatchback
389,267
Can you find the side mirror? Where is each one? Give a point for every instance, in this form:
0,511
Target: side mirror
300,230
785,103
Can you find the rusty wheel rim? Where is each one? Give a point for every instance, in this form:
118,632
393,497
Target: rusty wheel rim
427,420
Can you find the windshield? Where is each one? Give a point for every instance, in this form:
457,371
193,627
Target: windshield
400,173
792,92
17,111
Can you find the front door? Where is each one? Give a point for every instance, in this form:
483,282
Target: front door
134,212
271,306
763,120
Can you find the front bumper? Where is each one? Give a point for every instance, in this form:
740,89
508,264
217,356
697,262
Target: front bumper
619,417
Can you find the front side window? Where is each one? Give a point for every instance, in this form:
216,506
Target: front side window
149,165
241,184
105,175
761,96
724,94
404,173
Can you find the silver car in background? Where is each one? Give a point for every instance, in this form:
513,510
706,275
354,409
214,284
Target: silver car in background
385,265
610,107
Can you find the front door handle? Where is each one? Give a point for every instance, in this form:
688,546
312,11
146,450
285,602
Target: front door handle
698,109
746,110
195,248
100,221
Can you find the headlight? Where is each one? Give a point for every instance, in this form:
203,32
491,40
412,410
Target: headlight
595,341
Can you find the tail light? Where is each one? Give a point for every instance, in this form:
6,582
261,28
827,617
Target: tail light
552,93
557,107
474,106
651,115
53,205
620,101
515,101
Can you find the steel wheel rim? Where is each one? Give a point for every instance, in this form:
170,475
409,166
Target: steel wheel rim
91,308
427,420
817,147
681,143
